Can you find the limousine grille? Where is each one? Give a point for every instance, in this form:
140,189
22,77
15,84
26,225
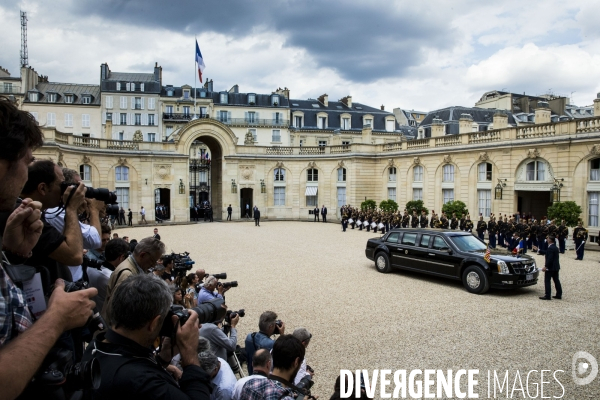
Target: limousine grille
522,269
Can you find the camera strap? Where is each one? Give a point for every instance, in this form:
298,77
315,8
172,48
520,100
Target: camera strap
287,383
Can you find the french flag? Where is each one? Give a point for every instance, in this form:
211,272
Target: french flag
199,61
519,247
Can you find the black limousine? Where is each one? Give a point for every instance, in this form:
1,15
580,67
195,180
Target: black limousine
452,254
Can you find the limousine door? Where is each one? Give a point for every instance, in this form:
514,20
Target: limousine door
421,254
440,259
392,244
404,253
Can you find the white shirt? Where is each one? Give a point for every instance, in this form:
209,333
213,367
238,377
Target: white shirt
225,379
143,211
91,237
301,372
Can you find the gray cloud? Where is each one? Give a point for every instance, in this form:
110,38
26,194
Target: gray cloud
362,41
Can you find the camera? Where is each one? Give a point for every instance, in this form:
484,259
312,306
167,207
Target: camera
232,314
278,324
105,195
220,276
96,322
209,311
182,263
228,285
58,368
88,263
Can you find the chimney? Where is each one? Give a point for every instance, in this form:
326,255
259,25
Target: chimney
157,73
283,92
500,120
209,85
542,113
234,89
347,101
103,72
324,98
382,107
597,106
465,123
437,128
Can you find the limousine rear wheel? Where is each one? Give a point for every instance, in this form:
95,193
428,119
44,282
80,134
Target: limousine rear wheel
475,280
382,262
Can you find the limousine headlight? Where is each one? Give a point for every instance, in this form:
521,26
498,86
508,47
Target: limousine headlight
503,268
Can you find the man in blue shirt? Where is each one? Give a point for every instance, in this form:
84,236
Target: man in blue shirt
268,325
207,293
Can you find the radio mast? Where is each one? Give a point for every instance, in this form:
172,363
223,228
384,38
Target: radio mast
24,56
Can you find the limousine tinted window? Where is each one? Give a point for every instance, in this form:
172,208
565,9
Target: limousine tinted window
409,238
439,243
393,237
425,240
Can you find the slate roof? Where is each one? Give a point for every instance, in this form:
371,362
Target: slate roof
67,88
130,77
233,99
334,109
451,115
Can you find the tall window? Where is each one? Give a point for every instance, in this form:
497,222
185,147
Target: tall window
123,118
251,98
138,103
312,175
223,98
341,196
312,200
169,110
138,119
123,102
123,197
85,172
448,171
417,194
392,174
345,123
418,173
279,195
392,194
251,117
186,111
276,135
68,120
341,172
593,208
52,97
485,202
448,195
390,125
274,100
298,121
322,122
85,120
151,103
151,119
122,174
223,116
536,171
484,172
152,137
51,119
279,175
595,169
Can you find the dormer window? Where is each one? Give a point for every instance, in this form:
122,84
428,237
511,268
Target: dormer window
52,97
141,87
132,87
33,96
69,98
251,99
275,100
118,85
86,99
186,94
223,98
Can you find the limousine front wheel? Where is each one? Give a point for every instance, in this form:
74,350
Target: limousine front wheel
475,280
382,262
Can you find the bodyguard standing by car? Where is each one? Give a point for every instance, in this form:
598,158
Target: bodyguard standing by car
551,268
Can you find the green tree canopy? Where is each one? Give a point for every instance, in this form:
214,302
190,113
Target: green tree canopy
567,210
388,205
455,206
368,205
416,205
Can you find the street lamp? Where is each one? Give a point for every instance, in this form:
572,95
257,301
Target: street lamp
233,186
181,187
555,190
498,190
263,187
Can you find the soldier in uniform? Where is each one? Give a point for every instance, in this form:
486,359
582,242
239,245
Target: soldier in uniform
414,222
405,219
500,229
463,222
423,220
344,219
580,235
361,220
542,235
434,220
481,228
563,232
468,224
492,230
444,221
453,222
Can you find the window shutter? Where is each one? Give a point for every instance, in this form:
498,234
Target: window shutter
142,103
116,119
104,117
228,116
118,85
129,119
133,103
141,88
256,116
144,119
246,118
127,86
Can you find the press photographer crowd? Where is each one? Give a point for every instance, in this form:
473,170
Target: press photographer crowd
84,316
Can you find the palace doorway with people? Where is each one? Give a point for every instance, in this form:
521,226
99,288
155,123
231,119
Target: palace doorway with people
246,197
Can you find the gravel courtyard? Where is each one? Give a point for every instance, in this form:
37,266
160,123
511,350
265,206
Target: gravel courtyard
315,276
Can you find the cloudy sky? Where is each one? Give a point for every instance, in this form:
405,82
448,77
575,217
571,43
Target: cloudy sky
416,55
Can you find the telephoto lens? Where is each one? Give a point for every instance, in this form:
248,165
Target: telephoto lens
230,284
221,276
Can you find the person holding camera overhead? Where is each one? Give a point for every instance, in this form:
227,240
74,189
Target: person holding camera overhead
207,293
145,256
268,325
128,364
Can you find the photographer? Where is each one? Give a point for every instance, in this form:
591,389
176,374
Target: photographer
304,376
66,246
207,293
145,256
220,343
201,274
90,233
24,346
128,364
262,363
268,325
115,253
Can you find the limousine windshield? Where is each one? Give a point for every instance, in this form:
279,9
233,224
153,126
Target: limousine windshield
468,243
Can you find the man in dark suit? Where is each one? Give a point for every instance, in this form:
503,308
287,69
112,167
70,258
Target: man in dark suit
324,213
316,213
256,216
229,211
156,235
551,268
130,217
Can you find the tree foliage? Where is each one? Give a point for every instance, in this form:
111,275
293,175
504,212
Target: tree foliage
567,210
455,206
388,205
368,205
416,205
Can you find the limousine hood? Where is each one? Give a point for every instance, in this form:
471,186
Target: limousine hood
506,256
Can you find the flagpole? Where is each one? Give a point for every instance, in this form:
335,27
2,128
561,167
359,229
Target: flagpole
195,73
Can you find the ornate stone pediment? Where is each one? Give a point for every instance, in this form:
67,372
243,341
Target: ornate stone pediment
246,173
483,156
416,160
341,164
533,153
279,164
595,150
447,159
391,162
312,164
163,170
249,139
122,161
137,136
85,160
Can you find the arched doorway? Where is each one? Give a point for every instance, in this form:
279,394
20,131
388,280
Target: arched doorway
246,197
162,204
205,168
